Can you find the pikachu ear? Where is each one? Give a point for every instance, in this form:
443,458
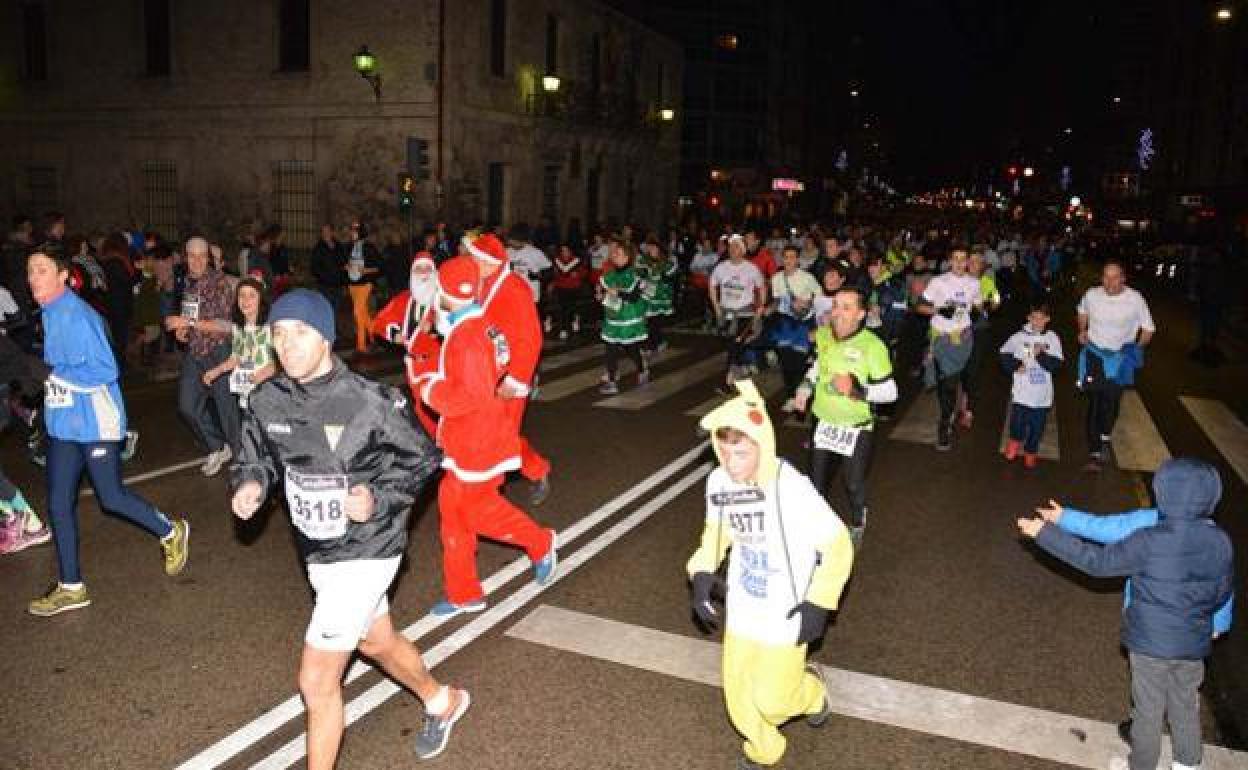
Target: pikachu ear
749,392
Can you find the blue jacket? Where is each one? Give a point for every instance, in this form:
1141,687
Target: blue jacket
1181,568
84,374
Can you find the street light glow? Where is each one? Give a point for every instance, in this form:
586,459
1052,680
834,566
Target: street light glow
1068,131
1117,100
853,92
550,83
1029,171
1224,14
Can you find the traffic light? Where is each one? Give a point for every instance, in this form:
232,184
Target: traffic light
407,191
418,158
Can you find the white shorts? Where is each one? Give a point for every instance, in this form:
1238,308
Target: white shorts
350,595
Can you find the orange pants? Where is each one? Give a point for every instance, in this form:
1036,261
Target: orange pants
533,466
470,510
360,293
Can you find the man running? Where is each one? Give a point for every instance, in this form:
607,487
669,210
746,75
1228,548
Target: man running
953,300
350,460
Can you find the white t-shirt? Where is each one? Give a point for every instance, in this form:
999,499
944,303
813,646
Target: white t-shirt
962,291
1115,320
737,284
801,286
764,582
528,262
1034,385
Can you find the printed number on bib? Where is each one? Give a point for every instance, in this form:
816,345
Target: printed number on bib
190,307
836,438
1036,376
241,380
317,504
57,396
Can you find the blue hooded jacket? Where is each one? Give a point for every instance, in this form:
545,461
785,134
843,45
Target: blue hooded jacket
1181,568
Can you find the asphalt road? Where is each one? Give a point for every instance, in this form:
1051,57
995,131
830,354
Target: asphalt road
944,595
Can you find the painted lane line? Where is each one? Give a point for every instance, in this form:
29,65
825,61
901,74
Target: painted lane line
769,384
568,358
970,719
1224,429
664,385
148,476
575,383
1137,444
1050,447
251,733
379,693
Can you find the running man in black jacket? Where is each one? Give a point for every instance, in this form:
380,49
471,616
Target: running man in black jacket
351,460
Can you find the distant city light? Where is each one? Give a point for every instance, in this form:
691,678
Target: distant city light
1224,14
1117,100
1075,201
1068,131
1029,171
727,42
853,92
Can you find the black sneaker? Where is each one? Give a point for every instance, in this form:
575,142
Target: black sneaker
944,439
436,731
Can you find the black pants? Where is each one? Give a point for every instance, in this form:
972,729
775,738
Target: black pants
632,350
654,331
210,411
567,307
1103,405
735,333
792,367
825,464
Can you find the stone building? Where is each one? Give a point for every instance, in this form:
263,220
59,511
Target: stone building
183,115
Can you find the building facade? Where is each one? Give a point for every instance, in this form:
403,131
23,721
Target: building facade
184,116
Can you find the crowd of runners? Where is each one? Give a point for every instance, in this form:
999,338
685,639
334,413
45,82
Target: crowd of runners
843,312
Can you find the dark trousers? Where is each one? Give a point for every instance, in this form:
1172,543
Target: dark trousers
614,351
1103,405
567,306
825,464
1027,425
210,411
1169,691
655,325
101,460
792,367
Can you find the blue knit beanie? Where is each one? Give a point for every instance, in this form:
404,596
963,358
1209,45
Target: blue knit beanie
308,306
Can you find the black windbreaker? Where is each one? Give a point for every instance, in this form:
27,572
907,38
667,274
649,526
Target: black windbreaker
339,424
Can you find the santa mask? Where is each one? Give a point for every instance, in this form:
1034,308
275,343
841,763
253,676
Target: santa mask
423,281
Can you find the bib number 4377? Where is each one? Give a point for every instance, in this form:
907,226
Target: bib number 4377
317,504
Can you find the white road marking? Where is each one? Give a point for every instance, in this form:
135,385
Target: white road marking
1050,447
148,476
379,693
769,384
919,424
249,734
1224,429
664,385
575,383
568,358
1137,444
967,718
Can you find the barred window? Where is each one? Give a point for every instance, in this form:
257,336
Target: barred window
550,193
43,191
160,198
294,202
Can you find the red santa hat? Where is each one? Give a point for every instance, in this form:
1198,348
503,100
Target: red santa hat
487,247
457,279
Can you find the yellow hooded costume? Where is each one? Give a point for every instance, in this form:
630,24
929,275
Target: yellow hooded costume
788,547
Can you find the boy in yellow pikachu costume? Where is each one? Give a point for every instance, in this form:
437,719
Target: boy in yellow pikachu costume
791,556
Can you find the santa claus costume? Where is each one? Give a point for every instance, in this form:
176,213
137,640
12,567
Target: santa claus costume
508,304
408,320
479,443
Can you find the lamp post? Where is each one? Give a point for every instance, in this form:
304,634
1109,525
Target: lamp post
667,114
366,65
550,84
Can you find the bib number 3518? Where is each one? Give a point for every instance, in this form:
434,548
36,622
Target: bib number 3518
316,504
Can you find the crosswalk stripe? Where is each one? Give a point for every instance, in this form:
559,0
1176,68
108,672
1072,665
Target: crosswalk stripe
1224,429
1050,447
1137,444
575,383
919,424
665,385
970,719
769,384
570,357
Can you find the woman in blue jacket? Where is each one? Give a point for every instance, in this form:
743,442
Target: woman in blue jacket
86,425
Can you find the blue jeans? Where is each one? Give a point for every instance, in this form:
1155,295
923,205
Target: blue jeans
66,461
1027,425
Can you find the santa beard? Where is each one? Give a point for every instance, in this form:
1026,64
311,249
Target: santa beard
423,290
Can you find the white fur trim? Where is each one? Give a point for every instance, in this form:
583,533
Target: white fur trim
507,465
479,254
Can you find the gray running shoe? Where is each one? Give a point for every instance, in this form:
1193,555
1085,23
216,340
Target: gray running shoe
820,719
435,731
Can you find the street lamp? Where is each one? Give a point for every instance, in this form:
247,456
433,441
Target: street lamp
1029,171
1068,131
667,114
1224,14
1117,100
853,92
550,83
366,65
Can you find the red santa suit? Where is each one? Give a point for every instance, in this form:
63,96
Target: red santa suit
508,303
477,440
408,320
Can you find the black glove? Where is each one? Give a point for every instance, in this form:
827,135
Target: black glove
814,620
976,314
947,311
704,584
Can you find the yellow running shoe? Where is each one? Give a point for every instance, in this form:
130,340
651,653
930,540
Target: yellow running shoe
177,547
59,599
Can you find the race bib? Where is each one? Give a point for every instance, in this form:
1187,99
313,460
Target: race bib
56,396
649,289
241,381
961,315
836,438
317,504
355,269
190,307
732,294
1037,376
612,302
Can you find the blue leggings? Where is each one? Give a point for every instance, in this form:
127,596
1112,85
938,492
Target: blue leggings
66,461
1027,425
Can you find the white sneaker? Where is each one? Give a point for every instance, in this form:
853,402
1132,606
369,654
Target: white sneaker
576,325
1119,763
217,460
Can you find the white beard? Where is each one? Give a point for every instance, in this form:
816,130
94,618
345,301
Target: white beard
423,291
